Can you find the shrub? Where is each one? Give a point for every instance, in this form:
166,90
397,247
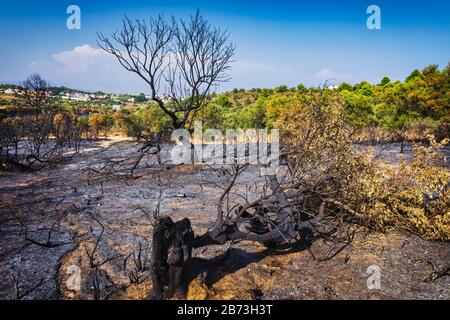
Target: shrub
414,196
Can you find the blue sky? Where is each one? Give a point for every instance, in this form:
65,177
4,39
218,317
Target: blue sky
278,42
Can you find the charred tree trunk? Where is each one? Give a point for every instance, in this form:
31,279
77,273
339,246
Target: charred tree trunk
402,146
173,242
171,251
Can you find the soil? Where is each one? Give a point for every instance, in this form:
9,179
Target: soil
60,198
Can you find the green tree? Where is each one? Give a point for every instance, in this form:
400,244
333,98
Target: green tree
415,74
253,115
281,89
345,86
385,81
301,88
140,98
394,119
154,120
358,108
214,115
364,88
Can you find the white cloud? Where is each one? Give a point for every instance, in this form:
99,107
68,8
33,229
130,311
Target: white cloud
81,59
89,68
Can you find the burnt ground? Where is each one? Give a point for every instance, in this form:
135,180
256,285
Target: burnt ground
38,264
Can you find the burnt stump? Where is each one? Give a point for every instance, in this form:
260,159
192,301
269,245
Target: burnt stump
171,252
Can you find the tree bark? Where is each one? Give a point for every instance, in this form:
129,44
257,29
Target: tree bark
171,251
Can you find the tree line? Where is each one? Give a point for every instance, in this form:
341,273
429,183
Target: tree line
413,108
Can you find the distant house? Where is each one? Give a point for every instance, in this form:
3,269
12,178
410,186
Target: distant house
9,91
81,97
76,96
116,107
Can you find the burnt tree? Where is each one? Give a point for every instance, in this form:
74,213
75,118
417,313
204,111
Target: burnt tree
180,60
38,131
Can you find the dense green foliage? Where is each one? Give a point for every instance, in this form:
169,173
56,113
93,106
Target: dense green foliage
422,101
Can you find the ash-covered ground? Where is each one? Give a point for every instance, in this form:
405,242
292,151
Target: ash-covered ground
65,221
